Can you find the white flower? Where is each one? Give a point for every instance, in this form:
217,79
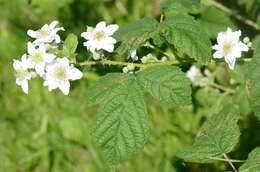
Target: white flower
196,77
21,72
47,34
100,37
229,47
133,55
59,73
38,57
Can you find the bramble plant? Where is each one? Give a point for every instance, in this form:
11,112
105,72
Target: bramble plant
182,50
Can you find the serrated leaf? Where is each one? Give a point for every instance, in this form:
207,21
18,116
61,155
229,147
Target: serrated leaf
218,136
214,21
102,88
121,125
252,164
133,35
167,84
187,36
70,45
253,80
173,7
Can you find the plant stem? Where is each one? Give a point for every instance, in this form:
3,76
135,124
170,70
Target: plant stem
227,90
231,13
120,63
231,160
230,163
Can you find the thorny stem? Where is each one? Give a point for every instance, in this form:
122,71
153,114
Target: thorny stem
230,163
120,63
231,13
227,90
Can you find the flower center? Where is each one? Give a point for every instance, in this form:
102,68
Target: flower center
20,73
227,47
99,35
44,33
37,57
60,73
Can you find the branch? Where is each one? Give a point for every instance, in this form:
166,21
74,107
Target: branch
230,163
231,13
120,63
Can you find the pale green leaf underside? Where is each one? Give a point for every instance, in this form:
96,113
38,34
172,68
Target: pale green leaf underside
70,45
252,164
219,135
186,35
167,84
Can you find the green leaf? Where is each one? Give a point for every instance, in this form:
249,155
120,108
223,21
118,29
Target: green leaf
173,7
70,45
253,80
212,20
121,125
218,136
167,84
252,164
133,35
186,35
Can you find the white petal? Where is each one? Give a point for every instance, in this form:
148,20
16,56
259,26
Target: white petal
110,30
49,58
87,35
63,61
230,61
53,24
17,65
109,40
108,47
51,84
74,73
24,86
57,39
216,47
101,25
30,48
65,87
32,33
242,47
218,55
40,69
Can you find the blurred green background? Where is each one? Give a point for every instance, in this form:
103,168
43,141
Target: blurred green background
50,132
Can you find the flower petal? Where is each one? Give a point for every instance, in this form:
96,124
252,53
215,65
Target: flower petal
111,29
65,87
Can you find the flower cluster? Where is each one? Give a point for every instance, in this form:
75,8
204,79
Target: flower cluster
100,38
230,47
40,60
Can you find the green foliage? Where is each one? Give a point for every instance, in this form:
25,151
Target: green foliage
253,79
70,45
133,35
214,21
252,163
121,125
172,7
184,32
167,84
218,136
